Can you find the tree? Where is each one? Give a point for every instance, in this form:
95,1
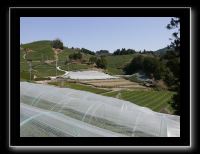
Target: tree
117,52
102,52
135,65
169,55
101,62
175,24
93,59
174,64
79,55
87,51
123,51
57,43
169,77
151,66
71,56
75,56
176,101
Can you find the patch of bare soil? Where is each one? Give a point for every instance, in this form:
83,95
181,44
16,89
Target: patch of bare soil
112,83
49,61
57,51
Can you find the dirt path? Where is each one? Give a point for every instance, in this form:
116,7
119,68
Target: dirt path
66,72
44,81
24,56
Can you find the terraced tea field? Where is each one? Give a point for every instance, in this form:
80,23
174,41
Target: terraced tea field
79,87
155,100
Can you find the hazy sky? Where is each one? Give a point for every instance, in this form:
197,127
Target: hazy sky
96,33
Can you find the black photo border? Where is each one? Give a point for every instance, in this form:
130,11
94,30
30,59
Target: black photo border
14,103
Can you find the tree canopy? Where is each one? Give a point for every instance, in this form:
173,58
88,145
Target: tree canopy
123,51
87,51
75,56
93,59
102,52
175,24
173,62
101,62
57,43
147,64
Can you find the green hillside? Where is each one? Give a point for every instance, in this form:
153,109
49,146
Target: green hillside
117,62
41,51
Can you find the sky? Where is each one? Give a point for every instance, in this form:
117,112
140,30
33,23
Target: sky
99,33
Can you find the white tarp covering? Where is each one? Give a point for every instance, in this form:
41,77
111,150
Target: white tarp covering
86,75
52,111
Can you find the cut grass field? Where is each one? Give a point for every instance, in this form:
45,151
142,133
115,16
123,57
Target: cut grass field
115,63
79,87
155,100
75,67
38,69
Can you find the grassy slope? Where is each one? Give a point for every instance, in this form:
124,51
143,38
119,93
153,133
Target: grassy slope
79,87
41,50
155,100
75,67
116,63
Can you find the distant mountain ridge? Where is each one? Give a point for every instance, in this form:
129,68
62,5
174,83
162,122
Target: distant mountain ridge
163,50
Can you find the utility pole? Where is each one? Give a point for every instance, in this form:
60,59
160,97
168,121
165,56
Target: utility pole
56,57
30,66
67,64
56,65
42,59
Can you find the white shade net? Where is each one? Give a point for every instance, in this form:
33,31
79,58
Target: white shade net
47,111
86,75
